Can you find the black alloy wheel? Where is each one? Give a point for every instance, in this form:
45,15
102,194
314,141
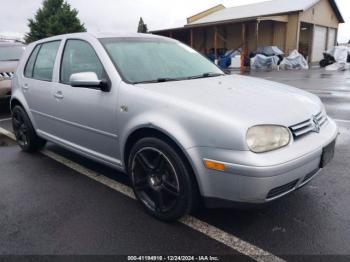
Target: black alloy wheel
155,179
20,129
161,180
24,131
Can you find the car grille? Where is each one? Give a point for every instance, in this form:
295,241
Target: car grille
277,191
308,125
6,75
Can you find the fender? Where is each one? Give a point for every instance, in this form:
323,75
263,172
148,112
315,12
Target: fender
17,95
160,123
165,125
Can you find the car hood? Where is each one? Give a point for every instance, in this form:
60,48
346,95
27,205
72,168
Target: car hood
249,100
8,66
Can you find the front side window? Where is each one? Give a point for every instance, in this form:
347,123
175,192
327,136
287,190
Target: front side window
79,57
146,59
45,61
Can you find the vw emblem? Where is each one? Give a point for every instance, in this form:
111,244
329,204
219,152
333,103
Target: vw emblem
316,124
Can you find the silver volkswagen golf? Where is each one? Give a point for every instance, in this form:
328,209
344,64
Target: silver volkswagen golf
183,131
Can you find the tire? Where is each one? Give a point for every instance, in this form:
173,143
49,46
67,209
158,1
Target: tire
323,63
161,180
25,134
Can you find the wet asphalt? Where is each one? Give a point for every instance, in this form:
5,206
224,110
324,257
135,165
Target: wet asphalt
47,208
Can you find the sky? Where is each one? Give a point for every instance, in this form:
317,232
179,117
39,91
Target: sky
121,15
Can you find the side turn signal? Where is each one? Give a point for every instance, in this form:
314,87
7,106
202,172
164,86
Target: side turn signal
214,165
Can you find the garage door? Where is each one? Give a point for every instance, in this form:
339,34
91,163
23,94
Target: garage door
319,43
331,38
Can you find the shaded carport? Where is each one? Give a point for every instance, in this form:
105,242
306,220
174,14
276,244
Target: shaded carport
247,34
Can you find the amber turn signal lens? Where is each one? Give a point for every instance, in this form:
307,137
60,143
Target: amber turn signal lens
214,165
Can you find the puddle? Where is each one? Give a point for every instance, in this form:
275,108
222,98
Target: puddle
324,75
5,141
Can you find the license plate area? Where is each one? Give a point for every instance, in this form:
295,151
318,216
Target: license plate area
327,154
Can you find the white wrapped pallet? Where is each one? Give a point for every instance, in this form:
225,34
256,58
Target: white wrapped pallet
262,62
294,61
235,62
340,54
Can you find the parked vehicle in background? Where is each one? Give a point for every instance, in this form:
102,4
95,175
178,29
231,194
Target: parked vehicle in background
10,53
173,121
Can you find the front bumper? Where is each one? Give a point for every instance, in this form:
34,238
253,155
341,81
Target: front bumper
260,178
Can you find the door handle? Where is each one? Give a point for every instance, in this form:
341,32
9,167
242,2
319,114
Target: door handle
59,95
25,87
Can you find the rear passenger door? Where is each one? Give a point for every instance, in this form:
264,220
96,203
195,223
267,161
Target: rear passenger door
37,85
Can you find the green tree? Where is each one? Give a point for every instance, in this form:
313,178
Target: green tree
55,17
142,28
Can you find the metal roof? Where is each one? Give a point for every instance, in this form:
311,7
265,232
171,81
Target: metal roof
11,43
272,7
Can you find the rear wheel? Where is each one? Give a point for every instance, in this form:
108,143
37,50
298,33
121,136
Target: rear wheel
25,134
161,180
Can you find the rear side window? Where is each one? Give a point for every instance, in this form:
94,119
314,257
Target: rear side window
45,60
28,71
79,57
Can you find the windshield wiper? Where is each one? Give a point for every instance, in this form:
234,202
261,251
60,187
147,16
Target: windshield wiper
158,80
205,75
10,60
168,79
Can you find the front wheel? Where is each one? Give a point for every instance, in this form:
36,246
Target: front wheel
161,180
25,134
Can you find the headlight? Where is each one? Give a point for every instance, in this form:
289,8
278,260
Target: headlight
267,138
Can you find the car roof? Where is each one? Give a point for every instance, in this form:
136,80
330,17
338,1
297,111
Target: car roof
123,34
100,36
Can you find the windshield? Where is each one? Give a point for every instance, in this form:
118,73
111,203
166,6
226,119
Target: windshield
11,53
141,60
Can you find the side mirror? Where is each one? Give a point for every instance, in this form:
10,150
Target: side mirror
88,80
